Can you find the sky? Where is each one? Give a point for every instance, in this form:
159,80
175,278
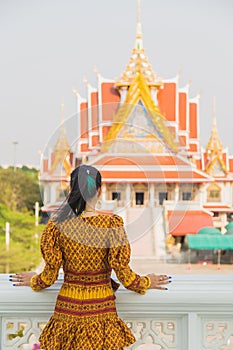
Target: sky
48,46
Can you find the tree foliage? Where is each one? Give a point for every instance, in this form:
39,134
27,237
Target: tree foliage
24,252
19,189
19,192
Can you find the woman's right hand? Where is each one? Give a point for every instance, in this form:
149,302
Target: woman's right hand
158,281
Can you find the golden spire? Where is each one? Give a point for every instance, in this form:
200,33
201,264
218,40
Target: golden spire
62,149
138,62
62,111
214,144
215,165
138,42
62,143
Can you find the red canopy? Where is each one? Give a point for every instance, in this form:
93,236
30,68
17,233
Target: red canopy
181,223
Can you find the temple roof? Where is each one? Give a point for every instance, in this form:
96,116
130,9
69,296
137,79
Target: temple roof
148,168
138,62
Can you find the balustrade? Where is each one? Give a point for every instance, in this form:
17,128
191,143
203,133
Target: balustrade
196,313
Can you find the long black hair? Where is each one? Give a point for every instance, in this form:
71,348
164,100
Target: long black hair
84,184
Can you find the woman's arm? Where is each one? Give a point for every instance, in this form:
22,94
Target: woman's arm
119,258
52,255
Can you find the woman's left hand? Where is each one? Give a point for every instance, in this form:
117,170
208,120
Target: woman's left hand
21,279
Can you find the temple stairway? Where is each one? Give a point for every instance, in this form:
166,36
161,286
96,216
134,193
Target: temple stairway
145,230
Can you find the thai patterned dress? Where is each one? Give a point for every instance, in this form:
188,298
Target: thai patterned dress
85,316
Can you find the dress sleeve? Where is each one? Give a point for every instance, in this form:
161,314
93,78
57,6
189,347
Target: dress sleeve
52,255
119,258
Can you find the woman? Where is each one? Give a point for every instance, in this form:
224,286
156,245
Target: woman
88,246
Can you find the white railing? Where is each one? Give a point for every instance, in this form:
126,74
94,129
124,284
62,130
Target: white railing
196,313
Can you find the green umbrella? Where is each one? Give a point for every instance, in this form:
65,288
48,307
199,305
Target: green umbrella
229,228
210,242
209,231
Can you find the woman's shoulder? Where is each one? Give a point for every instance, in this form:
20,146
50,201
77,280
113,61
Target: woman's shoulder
113,219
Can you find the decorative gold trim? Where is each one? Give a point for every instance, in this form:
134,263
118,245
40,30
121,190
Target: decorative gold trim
139,90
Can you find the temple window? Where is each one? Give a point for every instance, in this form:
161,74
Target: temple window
186,192
186,196
140,194
139,198
214,193
116,195
163,196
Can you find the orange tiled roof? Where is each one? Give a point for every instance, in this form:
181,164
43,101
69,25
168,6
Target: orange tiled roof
153,176
153,168
219,208
179,222
162,160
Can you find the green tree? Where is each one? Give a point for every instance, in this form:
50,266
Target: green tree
19,192
19,189
24,253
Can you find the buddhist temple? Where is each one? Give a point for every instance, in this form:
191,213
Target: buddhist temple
142,133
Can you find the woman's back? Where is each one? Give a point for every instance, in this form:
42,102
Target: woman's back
85,242
87,248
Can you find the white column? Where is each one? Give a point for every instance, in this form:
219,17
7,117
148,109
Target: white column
104,192
176,193
128,195
202,196
203,193
47,195
152,195
53,197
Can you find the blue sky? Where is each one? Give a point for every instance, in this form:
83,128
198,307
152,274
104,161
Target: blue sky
48,46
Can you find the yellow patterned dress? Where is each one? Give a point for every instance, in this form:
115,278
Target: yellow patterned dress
85,316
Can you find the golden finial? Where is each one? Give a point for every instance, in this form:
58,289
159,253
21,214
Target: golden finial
62,143
214,143
139,12
74,90
138,43
200,92
180,71
62,111
85,80
76,93
95,70
214,112
138,62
